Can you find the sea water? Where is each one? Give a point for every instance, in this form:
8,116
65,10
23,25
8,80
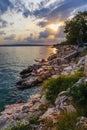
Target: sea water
12,61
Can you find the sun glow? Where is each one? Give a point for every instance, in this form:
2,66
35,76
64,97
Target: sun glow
54,26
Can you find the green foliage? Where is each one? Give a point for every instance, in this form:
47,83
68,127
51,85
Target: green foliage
43,107
79,93
19,126
33,119
48,122
67,121
76,29
83,53
55,85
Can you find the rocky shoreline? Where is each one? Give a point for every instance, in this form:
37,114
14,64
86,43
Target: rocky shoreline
37,105
45,69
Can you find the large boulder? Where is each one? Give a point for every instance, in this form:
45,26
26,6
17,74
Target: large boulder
63,103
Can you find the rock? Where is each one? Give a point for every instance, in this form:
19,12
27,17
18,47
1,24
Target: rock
49,113
85,68
54,76
69,108
63,102
81,61
52,57
62,97
20,116
36,106
25,109
62,93
68,69
25,71
34,98
4,122
43,100
28,83
82,123
80,81
25,75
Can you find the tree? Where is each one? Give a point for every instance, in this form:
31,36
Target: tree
76,29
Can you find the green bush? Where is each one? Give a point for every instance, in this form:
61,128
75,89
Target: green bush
19,126
55,85
67,121
79,93
33,119
43,107
48,122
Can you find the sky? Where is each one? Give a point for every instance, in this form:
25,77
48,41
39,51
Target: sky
36,21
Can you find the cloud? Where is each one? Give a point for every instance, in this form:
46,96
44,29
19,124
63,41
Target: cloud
60,33
44,34
4,5
42,23
42,12
11,23
2,33
59,9
31,39
11,37
63,11
3,23
26,13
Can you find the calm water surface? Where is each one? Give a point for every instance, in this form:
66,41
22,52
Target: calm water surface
12,61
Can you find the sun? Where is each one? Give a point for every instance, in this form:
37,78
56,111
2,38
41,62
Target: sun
54,26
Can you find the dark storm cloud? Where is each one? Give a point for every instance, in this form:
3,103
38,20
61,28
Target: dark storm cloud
11,37
4,4
3,23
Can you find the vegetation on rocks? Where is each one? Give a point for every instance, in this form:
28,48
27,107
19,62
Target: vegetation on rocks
18,126
67,121
33,119
79,93
55,85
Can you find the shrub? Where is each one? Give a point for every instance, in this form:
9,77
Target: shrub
67,121
43,107
19,126
55,85
33,119
48,122
79,93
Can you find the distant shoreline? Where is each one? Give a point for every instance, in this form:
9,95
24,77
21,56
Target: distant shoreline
22,45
